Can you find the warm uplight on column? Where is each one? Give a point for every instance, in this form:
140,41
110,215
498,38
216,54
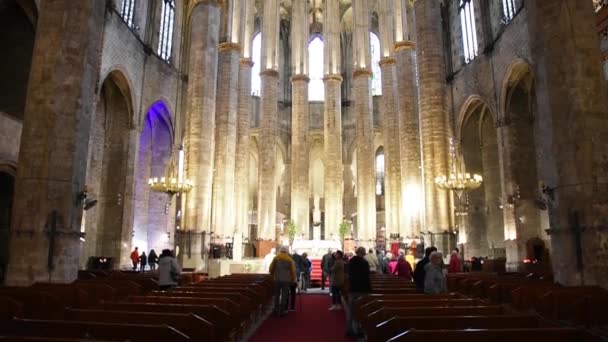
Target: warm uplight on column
331,32
270,35
299,35
361,34
400,20
180,165
235,17
386,26
247,31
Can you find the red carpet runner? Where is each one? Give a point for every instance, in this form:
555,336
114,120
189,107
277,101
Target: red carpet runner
313,323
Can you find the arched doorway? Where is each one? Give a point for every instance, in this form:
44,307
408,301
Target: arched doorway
479,215
17,36
7,189
527,212
153,226
107,170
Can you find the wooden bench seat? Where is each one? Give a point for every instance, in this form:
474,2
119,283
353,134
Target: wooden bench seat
192,325
36,303
496,335
227,305
45,339
396,325
376,304
92,330
224,326
9,308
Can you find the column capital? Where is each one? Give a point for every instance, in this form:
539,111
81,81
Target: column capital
228,46
300,77
270,72
405,45
246,62
387,61
362,72
333,77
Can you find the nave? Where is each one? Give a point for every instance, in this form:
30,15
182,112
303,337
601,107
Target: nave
119,306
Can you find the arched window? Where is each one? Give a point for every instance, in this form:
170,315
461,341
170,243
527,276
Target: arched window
508,8
316,88
374,43
380,171
256,57
167,19
469,30
127,11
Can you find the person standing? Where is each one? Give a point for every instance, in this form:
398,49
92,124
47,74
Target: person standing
434,279
135,258
283,271
168,270
403,269
143,261
306,270
419,271
152,260
372,260
455,265
337,281
326,266
360,285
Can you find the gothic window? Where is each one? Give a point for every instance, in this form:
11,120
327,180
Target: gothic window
380,171
256,57
165,42
469,31
127,11
374,43
508,8
316,88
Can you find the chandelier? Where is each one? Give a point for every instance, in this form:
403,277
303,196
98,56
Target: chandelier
458,180
172,183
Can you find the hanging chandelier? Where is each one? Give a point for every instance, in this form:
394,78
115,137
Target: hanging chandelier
458,180
172,183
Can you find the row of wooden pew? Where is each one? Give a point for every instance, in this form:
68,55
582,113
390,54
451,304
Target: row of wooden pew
395,312
122,306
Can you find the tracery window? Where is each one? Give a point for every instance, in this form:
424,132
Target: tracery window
167,20
380,171
127,11
316,88
469,30
256,57
508,8
374,43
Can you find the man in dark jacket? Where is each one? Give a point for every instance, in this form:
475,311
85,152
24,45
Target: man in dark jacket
360,285
326,264
419,273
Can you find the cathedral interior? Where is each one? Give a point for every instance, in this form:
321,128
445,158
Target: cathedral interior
188,124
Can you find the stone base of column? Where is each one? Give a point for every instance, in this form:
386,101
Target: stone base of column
515,253
190,251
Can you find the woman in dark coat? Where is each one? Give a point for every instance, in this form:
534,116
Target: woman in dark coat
152,260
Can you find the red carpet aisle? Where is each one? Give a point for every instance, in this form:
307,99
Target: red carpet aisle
314,323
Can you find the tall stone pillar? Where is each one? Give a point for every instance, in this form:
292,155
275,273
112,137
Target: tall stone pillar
223,219
390,129
200,124
433,112
571,135
267,196
362,94
332,127
409,124
241,176
53,157
300,117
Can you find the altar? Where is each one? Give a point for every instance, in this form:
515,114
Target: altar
315,248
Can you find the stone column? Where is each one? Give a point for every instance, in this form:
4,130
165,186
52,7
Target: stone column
200,123
241,176
433,112
412,197
332,128
267,196
571,135
362,94
390,128
54,143
223,219
300,118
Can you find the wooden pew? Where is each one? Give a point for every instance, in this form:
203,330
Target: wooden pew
36,303
44,339
383,314
558,303
60,329
192,325
223,324
376,304
397,325
482,335
70,295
